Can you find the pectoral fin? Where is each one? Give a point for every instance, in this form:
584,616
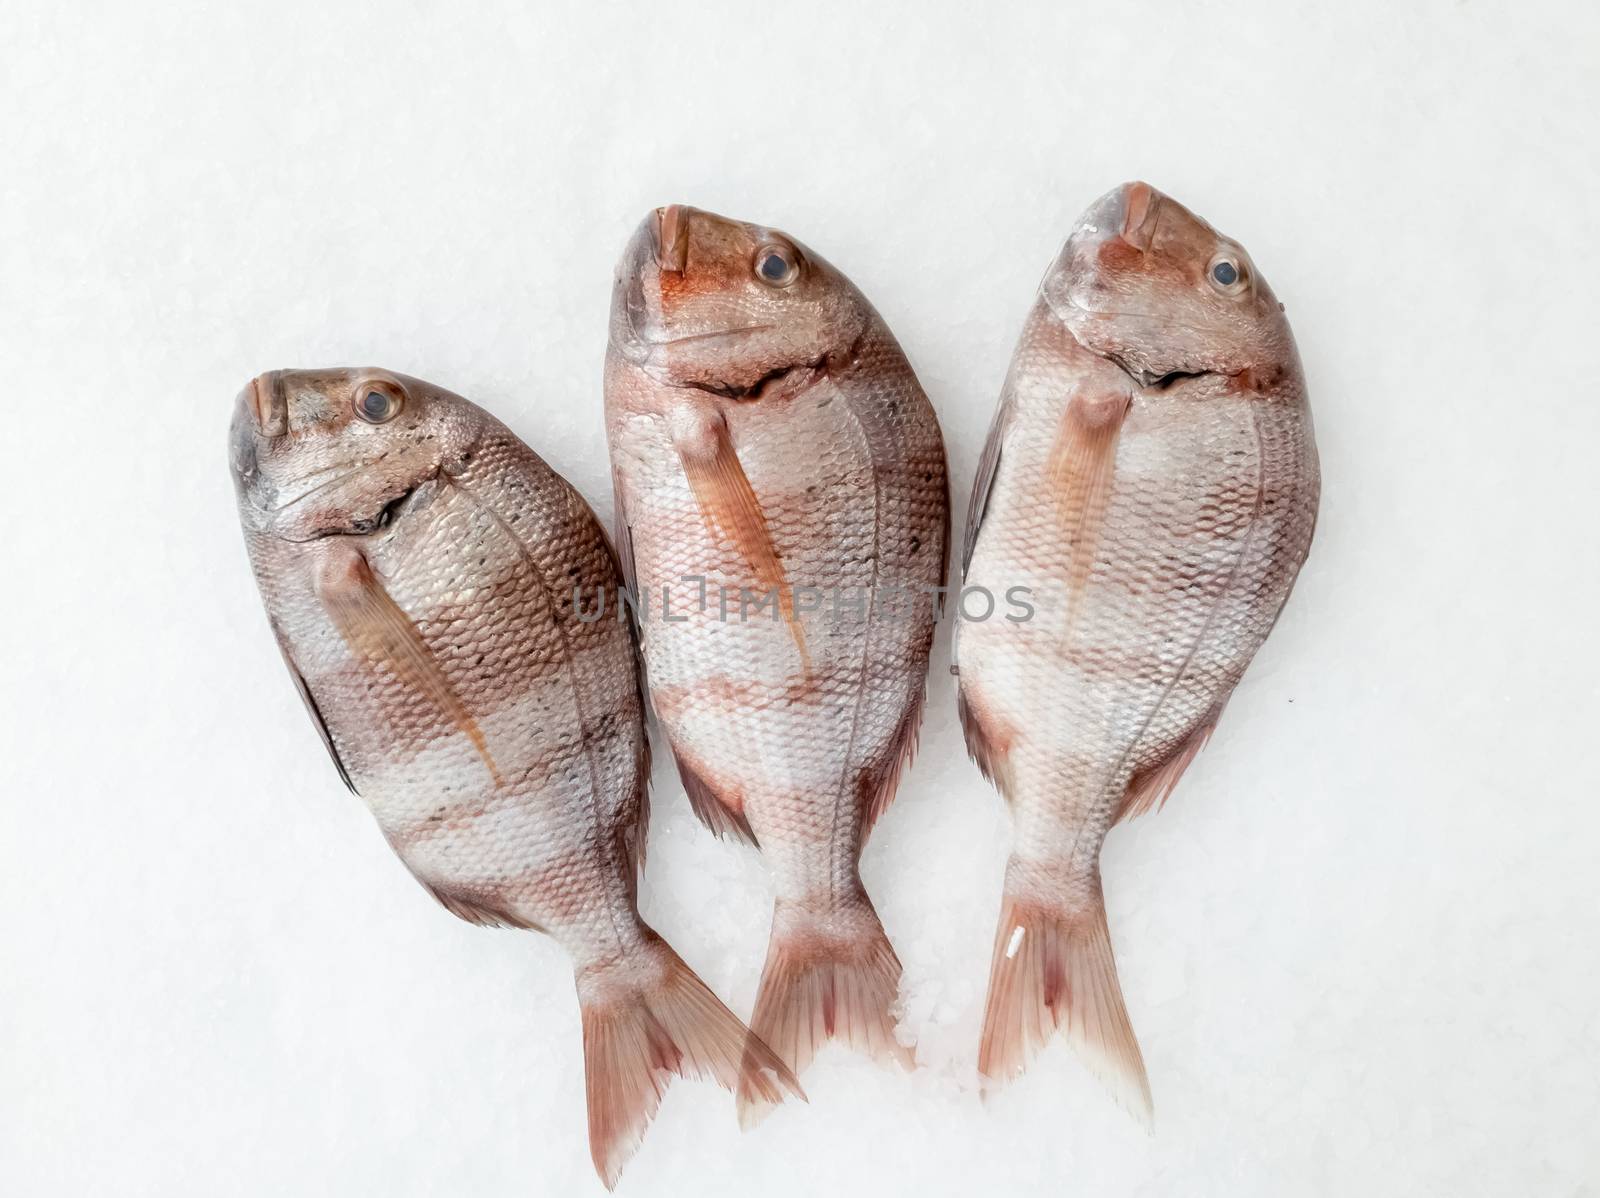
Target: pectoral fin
988,468
380,634
1082,469
730,507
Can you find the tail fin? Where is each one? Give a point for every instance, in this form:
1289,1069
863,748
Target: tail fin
830,974
645,1019
1052,969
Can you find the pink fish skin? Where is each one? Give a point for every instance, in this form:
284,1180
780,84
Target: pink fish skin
768,436
1151,478
422,570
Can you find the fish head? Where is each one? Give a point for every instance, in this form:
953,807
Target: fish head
318,453
704,301
1146,283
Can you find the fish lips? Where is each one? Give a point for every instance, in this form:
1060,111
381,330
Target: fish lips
242,456
244,436
260,416
636,330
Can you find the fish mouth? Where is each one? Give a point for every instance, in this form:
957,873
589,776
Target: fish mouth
1130,213
631,316
258,406
659,248
260,413
1128,216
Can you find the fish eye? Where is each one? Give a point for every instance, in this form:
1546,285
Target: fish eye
1226,274
777,265
378,402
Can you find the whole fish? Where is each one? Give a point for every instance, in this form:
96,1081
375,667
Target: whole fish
783,505
1150,482
422,570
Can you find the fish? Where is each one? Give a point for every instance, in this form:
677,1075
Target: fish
434,588
1150,484
782,500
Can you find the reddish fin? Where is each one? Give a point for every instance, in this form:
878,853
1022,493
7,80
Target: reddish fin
382,635
465,908
1053,969
646,1019
983,482
831,975
622,551
730,506
721,816
635,825
1081,472
902,748
622,538
1150,788
983,746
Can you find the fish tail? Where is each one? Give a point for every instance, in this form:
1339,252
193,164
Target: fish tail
830,973
1053,970
645,1019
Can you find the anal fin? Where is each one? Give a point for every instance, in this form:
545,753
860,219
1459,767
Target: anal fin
473,912
987,747
902,748
724,818
1149,789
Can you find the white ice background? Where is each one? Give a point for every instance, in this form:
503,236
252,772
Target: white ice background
1361,946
